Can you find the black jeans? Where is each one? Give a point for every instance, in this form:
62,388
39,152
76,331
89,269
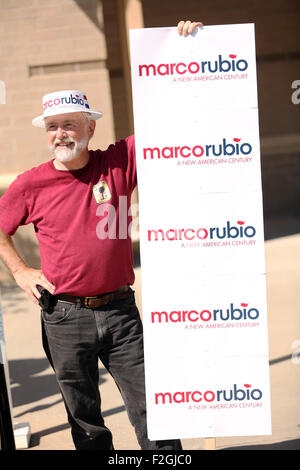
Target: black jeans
74,338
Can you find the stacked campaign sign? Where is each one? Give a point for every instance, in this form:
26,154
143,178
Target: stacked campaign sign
201,232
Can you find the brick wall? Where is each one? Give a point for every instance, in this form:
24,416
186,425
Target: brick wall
47,46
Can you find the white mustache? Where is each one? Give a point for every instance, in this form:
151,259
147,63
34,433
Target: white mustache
65,141
68,154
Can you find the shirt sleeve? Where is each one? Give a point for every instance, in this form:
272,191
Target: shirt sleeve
13,208
122,155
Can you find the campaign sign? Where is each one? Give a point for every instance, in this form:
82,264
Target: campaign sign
203,395
201,232
215,153
217,65
220,233
213,312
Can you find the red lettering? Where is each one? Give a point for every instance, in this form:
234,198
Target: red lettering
172,152
147,68
189,230
166,72
151,152
190,67
193,396
181,231
174,234
212,396
181,151
175,316
202,315
172,68
181,399
205,233
176,150
177,68
184,312
167,149
163,397
189,315
156,232
201,151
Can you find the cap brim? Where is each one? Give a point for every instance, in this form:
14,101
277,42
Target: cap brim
39,121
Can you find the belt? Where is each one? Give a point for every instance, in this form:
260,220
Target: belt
95,301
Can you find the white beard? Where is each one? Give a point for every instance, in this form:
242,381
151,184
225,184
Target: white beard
65,154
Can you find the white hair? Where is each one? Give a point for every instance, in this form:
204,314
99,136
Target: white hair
87,116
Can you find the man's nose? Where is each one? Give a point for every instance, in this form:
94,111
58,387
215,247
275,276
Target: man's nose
61,133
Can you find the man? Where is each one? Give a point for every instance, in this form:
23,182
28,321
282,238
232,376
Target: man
88,307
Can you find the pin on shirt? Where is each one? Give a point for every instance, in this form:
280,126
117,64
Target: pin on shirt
101,192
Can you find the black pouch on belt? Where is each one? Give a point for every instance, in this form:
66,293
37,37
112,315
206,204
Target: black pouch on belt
45,300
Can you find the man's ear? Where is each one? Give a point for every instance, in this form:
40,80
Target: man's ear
92,127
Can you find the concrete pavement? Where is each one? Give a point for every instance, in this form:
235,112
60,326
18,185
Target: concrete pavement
36,398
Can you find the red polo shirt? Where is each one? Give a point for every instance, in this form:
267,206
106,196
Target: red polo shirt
72,212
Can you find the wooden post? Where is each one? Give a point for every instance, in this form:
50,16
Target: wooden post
130,16
210,443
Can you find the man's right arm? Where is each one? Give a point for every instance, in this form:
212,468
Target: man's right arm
26,278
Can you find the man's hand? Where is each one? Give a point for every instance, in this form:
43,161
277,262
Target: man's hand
28,279
187,27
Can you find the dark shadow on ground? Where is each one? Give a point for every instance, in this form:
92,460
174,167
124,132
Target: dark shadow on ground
28,386
35,438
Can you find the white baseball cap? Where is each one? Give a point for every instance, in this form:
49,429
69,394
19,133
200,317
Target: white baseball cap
62,102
